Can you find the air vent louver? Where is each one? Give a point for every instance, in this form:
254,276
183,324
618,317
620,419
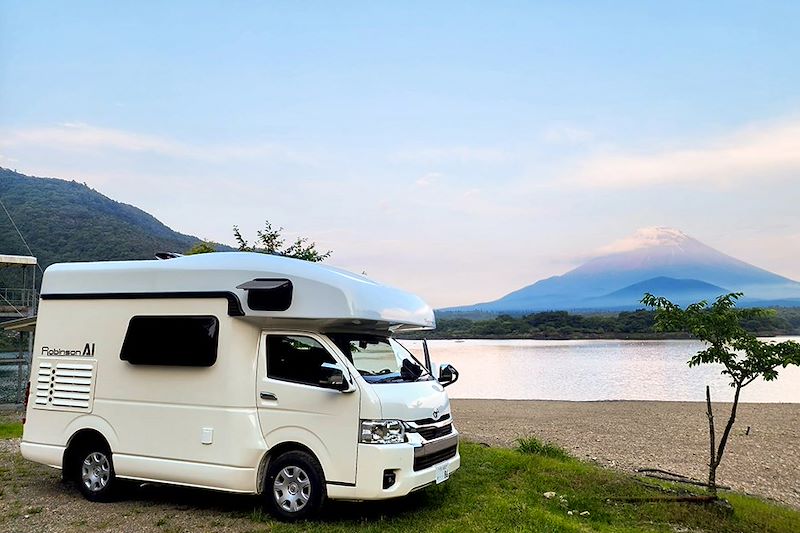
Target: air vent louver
64,386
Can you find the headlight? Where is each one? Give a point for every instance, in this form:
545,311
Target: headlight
382,432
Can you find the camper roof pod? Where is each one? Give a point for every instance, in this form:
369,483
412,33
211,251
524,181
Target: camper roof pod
255,285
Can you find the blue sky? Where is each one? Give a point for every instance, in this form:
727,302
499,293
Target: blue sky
460,150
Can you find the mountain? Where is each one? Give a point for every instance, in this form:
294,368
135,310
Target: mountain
680,291
657,260
68,221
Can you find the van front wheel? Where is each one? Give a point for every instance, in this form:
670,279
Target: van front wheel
295,486
95,474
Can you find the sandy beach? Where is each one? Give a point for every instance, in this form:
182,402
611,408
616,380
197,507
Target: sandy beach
641,434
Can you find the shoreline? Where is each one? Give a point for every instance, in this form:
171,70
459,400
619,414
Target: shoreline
631,337
703,403
671,435
598,337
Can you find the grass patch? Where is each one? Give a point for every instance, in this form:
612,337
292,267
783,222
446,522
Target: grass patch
10,429
533,446
503,490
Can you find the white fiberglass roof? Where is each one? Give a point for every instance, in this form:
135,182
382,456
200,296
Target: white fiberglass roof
319,291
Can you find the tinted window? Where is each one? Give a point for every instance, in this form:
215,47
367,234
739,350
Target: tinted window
270,295
171,341
298,359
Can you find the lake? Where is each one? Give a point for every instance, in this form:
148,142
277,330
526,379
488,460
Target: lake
594,370
576,370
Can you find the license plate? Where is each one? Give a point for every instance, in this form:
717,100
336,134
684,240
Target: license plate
442,473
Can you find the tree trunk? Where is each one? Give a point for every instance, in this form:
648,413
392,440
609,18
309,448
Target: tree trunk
725,434
712,463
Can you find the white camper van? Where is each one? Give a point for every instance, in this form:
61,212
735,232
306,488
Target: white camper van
238,372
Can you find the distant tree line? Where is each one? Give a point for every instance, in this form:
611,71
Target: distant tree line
564,325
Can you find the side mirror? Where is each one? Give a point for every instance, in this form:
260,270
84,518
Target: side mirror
332,377
447,374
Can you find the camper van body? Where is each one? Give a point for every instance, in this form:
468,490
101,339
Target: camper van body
103,371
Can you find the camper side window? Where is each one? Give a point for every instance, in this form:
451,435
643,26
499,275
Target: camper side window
171,341
297,359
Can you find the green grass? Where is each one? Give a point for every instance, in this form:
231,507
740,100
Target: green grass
10,428
503,490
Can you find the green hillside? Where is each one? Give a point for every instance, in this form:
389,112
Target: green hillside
68,221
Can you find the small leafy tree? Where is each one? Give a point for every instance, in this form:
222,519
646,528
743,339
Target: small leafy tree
270,241
744,357
202,247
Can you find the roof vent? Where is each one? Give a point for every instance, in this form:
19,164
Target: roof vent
167,255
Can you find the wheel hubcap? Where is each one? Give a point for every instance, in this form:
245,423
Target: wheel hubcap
292,489
95,471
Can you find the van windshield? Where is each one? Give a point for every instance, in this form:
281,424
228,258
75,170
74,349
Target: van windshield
380,359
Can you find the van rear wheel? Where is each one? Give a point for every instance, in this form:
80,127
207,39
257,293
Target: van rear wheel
94,473
295,486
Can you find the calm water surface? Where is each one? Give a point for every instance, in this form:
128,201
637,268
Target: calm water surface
595,370
579,370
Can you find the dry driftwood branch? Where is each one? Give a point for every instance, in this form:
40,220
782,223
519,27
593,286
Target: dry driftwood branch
679,499
683,479
659,471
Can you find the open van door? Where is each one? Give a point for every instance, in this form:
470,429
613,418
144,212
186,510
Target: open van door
304,394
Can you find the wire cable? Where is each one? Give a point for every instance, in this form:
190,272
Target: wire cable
20,234
12,306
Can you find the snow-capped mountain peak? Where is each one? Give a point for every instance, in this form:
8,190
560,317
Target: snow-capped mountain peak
647,238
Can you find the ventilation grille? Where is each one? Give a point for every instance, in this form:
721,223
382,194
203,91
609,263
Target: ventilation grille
64,385
426,461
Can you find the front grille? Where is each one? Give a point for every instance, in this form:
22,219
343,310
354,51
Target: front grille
426,421
424,461
431,433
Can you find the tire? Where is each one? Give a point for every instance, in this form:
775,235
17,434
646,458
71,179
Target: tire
295,486
94,472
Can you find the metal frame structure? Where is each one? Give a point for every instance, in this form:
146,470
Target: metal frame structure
18,315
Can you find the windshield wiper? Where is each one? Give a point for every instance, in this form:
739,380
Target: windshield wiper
390,379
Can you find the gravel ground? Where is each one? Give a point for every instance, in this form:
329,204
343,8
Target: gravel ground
34,499
671,436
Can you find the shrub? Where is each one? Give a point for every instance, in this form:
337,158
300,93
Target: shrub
533,446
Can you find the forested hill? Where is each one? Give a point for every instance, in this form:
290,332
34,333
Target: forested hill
68,221
564,325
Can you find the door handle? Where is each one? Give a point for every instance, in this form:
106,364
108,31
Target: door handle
268,396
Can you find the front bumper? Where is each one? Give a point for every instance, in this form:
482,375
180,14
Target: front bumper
374,460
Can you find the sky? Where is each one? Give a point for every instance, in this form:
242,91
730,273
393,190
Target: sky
458,150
